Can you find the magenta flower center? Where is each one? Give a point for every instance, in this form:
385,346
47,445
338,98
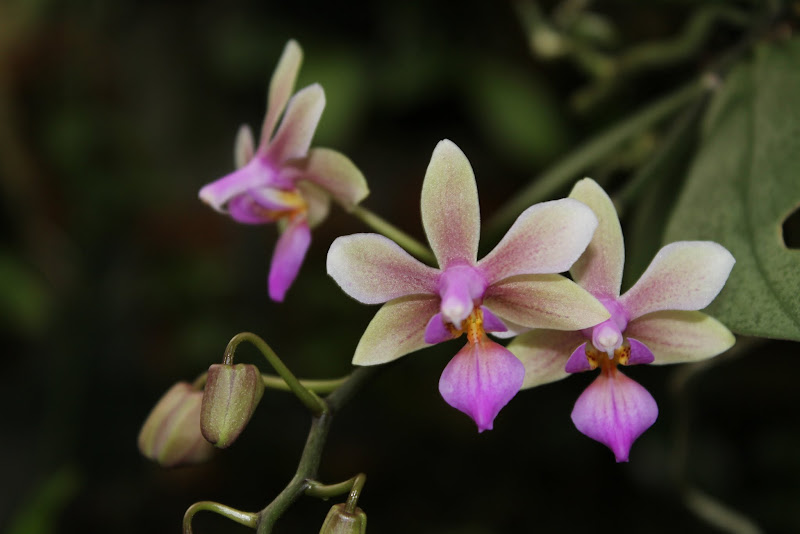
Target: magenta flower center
607,336
461,288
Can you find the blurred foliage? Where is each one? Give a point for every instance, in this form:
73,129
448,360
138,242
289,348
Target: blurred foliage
115,282
744,183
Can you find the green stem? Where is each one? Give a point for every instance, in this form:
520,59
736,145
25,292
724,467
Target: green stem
310,399
592,151
312,452
243,518
320,387
414,247
325,491
681,47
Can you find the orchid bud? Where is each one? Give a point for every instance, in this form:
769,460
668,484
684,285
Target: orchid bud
171,433
340,521
231,396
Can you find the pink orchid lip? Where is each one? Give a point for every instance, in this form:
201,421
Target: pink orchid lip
461,287
615,410
481,379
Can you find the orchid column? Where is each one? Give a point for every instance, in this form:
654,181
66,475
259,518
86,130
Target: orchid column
512,288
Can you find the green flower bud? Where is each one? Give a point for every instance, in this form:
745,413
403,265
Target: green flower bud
171,433
231,396
339,521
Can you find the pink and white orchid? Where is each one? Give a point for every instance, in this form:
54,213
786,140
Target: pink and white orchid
283,180
655,321
509,289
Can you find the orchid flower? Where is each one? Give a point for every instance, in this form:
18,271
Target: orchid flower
655,321
283,180
511,288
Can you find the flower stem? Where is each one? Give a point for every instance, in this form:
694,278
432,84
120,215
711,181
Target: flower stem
310,399
243,518
377,223
353,486
312,452
321,387
592,151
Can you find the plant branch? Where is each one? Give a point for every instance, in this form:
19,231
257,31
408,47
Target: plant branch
312,452
592,151
377,223
310,399
243,518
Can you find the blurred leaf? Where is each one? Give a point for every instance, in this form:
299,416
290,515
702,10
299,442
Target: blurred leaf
518,113
743,184
40,513
24,301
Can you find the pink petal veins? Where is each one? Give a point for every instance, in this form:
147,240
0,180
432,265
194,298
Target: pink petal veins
450,212
480,380
615,410
373,269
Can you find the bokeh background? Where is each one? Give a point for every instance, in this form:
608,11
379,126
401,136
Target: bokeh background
116,282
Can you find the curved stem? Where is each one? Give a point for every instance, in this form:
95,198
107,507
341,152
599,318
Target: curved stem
355,493
377,223
310,399
320,387
312,452
243,518
325,491
592,151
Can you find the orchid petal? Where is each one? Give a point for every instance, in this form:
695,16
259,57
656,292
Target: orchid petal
615,410
246,210
436,331
480,380
257,173
318,202
288,257
450,212
512,329
686,275
547,238
397,329
243,147
280,88
298,125
374,269
492,323
599,269
336,174
640,353
545,301
578,362
544,353
681,336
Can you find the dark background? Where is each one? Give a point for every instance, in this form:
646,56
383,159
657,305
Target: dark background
116,282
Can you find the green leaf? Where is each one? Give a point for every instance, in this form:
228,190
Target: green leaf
744,182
